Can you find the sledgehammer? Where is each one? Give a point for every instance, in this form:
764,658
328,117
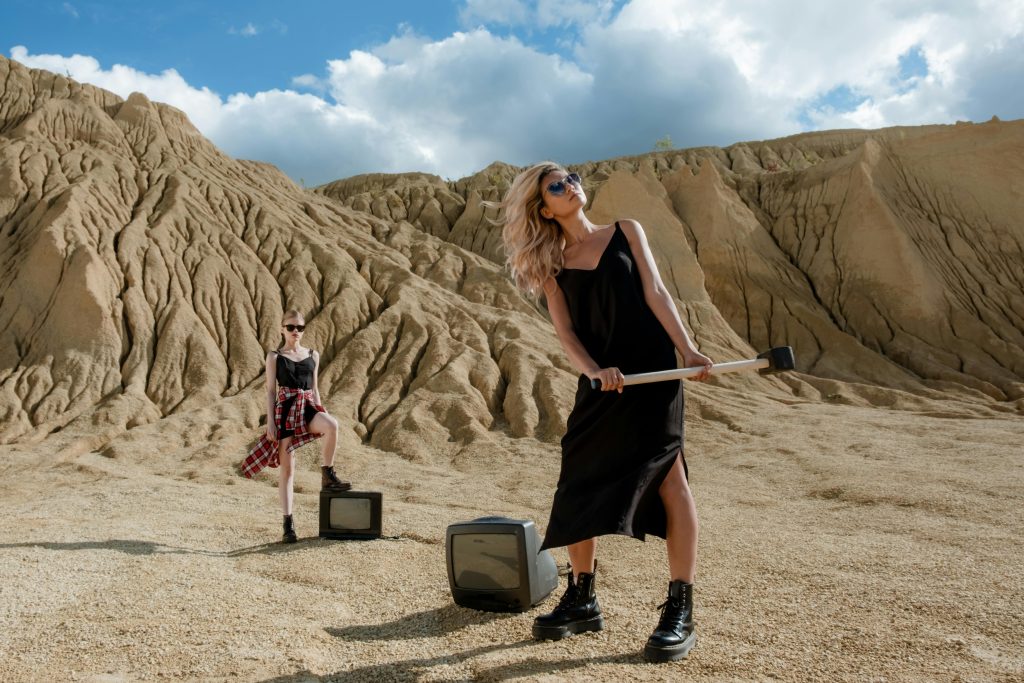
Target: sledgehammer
770,362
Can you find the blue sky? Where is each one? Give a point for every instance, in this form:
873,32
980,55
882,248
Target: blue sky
330,89
228,46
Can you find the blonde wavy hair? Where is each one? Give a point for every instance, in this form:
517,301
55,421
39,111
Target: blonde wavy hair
533,243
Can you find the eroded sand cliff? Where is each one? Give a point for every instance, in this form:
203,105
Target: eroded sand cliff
860,516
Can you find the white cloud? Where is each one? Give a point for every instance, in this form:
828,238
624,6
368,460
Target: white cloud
567,12
466,100
507,12
538,13
703,72
651,82
309,82
309,138
407,44
797,51
302,134
70,9
202,105
994,77
249,30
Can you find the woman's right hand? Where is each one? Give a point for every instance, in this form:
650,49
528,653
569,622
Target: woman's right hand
271,431
611,379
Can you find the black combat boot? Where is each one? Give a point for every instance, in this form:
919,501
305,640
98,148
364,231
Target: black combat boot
675,634
329,480
289,531
577,611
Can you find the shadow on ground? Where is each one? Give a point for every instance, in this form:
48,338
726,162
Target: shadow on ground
130,547
428,624
440,622
414,669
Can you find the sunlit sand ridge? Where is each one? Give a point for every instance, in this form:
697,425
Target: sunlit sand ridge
860,517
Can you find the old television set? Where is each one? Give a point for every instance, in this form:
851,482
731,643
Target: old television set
495,564
350,514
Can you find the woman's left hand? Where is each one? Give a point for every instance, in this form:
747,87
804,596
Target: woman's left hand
694,359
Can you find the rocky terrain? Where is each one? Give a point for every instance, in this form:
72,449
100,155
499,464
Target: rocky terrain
860,517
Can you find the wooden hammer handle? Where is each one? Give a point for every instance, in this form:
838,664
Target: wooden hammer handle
683,373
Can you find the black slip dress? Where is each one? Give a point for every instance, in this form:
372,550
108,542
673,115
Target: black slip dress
297,375
617,448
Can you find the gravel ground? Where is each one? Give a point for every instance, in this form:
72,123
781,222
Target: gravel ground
838,543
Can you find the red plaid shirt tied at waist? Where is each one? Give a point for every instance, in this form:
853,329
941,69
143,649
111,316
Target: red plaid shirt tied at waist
264,453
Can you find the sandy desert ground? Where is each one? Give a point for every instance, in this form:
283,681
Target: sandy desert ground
838,543
860,517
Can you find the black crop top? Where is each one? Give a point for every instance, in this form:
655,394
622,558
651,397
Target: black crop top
297,375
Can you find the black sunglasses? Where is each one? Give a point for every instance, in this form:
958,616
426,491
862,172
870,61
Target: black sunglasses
293,328
558,188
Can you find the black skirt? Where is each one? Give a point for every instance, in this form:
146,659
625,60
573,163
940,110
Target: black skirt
307,415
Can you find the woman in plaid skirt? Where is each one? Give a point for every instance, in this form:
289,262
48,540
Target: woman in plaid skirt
295,416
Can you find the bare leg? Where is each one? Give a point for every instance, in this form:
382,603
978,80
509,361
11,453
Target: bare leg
581,557
681,514
327,427
286,478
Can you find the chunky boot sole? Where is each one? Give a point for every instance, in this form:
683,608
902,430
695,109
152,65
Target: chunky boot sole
566,630
674,653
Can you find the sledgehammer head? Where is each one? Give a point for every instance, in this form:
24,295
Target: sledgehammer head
780,359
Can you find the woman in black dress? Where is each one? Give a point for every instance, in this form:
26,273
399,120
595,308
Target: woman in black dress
295,416
623,470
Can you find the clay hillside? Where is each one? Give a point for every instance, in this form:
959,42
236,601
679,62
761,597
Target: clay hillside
143,274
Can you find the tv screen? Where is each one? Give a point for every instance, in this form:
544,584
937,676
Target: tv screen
494,564
350,514
486,561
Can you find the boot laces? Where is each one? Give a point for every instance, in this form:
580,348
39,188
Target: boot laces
672,603
671,613
569,596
